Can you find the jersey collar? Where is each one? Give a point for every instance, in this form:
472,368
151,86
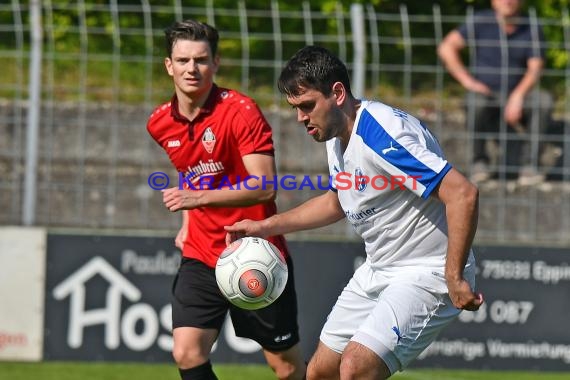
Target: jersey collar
206,108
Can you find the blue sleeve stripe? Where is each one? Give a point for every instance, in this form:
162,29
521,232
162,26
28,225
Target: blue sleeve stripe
376,137
436,180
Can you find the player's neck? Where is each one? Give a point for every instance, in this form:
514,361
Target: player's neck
354,105
190,106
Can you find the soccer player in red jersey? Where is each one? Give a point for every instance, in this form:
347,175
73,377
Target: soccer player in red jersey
219,140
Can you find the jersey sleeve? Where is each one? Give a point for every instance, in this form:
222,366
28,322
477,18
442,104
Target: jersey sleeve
252,131
409,151
421,168
158,124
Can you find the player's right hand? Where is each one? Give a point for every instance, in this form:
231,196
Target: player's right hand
246,227
463,297
233,236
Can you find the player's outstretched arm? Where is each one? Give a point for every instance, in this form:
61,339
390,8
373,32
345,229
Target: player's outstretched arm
257,187
316,212
461,199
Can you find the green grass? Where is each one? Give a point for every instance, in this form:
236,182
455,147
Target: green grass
141,371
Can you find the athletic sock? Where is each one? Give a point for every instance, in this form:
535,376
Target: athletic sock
202,372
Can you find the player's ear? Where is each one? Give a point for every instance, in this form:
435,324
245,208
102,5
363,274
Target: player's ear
168,65
339,92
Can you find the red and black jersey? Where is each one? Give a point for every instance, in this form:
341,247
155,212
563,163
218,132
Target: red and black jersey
230,125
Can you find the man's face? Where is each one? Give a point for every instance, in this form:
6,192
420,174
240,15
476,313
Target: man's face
321,115
506,8
192,67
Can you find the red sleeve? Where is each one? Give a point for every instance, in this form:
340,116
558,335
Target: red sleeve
158,123
251,130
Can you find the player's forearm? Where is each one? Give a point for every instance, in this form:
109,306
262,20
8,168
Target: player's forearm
314,213
462,217
236,197
253,190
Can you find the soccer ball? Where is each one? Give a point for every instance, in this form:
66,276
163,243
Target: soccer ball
251,273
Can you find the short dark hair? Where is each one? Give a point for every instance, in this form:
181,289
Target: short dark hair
313,67
191,30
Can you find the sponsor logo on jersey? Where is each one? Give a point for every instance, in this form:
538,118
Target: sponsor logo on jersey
209,140
209,168
360,180
358,215
173,143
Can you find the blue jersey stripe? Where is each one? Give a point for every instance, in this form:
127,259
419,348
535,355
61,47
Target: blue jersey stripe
436,181
376,137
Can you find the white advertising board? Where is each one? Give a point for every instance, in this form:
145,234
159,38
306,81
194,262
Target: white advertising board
22,275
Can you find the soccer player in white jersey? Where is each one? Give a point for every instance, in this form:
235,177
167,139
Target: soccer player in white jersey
416,214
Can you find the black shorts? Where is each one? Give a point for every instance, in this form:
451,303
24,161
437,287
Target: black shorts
198,302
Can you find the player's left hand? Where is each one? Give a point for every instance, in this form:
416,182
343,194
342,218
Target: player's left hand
176,199
462,296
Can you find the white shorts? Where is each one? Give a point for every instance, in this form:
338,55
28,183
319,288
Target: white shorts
395,315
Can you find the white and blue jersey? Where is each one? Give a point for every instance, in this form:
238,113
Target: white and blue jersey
383,179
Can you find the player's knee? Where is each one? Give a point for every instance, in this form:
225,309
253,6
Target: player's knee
317,372
186,357
311,372
283,370
287,364
287,370
349,366
180,358
353,367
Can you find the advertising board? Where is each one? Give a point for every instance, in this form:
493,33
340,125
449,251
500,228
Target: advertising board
22,271
107,298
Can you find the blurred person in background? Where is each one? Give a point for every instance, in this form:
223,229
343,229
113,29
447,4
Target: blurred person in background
214,132
419,271
508,53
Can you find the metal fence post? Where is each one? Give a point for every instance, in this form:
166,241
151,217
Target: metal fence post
359,42
34,106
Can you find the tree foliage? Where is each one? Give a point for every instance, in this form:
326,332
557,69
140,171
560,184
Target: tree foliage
93,26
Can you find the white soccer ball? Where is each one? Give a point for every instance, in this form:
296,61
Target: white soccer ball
251,273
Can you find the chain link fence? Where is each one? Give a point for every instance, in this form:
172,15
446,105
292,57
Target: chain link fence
75,95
